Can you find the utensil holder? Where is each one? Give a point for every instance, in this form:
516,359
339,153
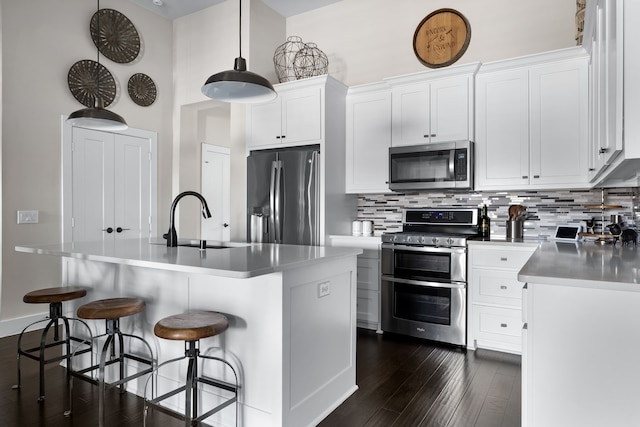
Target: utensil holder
515,229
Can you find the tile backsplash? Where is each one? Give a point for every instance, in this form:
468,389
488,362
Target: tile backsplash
545,209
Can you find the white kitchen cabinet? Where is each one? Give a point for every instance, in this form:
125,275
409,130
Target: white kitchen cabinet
532,122
110,184
608,37
295,117
433,106
368,293
368,138
495,295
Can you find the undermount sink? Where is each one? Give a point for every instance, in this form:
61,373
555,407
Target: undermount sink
207,246
193,243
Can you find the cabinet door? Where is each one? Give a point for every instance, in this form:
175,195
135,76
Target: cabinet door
450,112
367,142
265,124
302,116
502,130
410,114
559,128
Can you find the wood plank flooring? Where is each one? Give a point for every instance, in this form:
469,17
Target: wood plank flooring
403,382
406,382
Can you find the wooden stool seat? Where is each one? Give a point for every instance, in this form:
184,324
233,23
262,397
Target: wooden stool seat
111,308
191,326
53,295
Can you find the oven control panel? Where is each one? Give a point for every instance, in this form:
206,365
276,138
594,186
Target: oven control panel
423,239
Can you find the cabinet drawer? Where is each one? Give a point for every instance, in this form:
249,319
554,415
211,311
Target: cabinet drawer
367,306
497,328
508,258
369,274
497,287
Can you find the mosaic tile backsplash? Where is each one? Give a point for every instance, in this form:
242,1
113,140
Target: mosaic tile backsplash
545,210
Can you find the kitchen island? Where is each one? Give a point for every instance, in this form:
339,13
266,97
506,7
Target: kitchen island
291,310
581,309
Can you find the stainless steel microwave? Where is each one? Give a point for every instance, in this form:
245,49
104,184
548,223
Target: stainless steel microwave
439,166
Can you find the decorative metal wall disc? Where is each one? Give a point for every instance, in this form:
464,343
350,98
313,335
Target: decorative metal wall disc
142,89
88,79
115,36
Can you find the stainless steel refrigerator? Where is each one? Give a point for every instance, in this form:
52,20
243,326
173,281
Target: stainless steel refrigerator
283,196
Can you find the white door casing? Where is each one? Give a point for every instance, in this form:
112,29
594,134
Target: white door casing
216,189
109,184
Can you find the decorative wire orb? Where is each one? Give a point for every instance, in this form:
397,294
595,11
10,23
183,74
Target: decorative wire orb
283,58
310,61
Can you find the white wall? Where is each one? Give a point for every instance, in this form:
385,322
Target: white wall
41,40
367,40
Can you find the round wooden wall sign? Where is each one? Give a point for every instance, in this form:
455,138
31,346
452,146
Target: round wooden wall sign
441,38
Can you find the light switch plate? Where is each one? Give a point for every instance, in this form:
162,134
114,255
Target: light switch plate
27,217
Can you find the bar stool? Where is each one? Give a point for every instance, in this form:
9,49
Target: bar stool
111,310
191,327
54,297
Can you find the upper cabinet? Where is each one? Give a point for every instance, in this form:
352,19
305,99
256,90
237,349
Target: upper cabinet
433,106
368,138
532,122
295,117
615,103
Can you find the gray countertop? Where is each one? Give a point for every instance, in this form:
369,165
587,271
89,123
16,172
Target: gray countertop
584,264
242,260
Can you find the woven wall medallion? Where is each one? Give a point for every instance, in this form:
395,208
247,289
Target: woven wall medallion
114,35
87,78
142,89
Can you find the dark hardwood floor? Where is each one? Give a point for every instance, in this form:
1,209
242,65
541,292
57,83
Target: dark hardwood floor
405,382
402,382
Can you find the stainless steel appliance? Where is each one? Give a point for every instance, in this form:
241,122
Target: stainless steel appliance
439,166
424,274
283,196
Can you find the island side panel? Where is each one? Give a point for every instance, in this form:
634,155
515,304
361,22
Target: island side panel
581,356
320,339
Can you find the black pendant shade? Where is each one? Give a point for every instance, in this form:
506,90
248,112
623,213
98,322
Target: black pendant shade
239,85
98,118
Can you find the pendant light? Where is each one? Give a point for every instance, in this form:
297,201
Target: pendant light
239,85
97,117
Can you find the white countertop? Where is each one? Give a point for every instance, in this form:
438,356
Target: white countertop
240,261
584,264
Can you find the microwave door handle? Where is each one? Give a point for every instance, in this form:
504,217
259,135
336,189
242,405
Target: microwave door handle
452,165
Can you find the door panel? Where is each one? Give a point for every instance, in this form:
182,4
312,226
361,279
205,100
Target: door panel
216,191
93,186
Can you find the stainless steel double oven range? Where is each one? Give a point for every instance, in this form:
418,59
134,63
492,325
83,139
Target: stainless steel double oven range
424,274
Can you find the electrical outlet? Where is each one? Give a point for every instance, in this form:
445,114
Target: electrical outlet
27,217
324,289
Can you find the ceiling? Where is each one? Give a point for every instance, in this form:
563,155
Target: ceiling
172,9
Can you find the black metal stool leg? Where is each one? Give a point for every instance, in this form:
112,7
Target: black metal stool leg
101,384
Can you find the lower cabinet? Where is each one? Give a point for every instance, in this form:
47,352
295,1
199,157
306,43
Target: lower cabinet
495,295
368,299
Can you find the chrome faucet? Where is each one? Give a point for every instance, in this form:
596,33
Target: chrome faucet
172,236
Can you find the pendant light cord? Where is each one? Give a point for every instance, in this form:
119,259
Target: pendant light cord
239,27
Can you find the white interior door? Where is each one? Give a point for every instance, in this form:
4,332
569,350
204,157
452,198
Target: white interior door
216,189
92,185
109,184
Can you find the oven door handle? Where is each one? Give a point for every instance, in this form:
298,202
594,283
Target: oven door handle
454,285
433,249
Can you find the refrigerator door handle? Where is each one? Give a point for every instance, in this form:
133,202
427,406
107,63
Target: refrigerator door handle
278,201
312,200
272,202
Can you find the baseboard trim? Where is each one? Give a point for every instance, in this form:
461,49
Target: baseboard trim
15,326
